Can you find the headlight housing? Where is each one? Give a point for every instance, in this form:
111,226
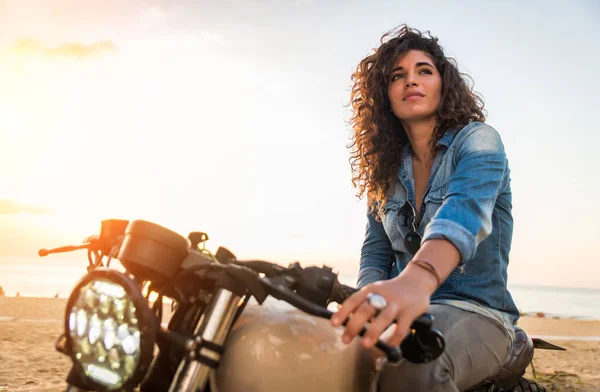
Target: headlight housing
110,330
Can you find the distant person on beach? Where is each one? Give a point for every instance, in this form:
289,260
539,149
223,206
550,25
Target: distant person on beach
439,215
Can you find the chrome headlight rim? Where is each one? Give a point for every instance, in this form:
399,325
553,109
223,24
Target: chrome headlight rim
147,324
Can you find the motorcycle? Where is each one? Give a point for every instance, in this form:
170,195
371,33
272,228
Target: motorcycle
224,332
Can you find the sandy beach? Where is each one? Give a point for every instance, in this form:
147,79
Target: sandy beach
30,326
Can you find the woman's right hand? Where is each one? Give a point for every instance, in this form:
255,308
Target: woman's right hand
406,297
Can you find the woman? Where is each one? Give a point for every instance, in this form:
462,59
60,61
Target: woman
439,220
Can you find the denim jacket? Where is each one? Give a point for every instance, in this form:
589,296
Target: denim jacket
467,202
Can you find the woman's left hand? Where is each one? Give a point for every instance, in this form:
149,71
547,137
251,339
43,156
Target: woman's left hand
406,297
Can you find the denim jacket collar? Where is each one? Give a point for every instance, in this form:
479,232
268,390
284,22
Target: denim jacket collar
406,174
447,138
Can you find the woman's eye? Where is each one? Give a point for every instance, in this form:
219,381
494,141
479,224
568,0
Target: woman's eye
426,71
396,77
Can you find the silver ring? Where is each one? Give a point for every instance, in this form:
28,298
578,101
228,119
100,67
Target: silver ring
376,301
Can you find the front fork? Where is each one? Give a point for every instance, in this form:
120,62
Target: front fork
203,353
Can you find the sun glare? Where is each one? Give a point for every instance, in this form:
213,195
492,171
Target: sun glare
112,137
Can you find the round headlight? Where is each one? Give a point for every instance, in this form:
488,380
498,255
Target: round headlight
110,330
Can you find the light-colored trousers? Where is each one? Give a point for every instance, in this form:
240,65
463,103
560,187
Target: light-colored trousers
475,347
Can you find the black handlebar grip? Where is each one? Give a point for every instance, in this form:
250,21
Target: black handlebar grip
340,292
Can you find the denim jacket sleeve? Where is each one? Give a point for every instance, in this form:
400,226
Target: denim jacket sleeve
376,256
480,174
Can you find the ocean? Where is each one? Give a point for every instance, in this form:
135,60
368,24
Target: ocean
46,277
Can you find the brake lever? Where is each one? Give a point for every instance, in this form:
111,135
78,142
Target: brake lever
63,249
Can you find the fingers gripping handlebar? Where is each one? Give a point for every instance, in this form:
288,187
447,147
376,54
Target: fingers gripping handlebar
340,292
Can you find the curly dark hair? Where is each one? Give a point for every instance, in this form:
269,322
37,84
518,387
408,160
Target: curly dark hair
378,135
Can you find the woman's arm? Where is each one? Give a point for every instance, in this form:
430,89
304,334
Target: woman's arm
376,256
480,174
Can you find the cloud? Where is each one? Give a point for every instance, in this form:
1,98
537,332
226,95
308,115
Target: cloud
9,207
72,49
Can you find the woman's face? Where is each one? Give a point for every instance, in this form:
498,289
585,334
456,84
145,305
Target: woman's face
415,87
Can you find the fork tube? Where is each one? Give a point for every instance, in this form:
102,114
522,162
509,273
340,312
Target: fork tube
214,327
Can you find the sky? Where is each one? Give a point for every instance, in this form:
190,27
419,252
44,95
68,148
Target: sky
231,117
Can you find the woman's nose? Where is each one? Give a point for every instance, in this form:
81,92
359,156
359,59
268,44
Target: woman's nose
411,80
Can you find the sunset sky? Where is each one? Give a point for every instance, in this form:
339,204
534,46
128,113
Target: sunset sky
230,117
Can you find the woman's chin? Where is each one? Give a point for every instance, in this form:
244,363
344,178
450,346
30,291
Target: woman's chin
417,117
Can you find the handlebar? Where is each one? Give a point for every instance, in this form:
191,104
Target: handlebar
340,292
264,267
96,251
311,289
110,232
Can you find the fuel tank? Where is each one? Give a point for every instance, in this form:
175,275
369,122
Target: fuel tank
275,347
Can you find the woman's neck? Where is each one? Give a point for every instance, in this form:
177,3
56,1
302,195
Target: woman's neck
419,135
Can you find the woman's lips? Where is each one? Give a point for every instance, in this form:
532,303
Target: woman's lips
414,97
